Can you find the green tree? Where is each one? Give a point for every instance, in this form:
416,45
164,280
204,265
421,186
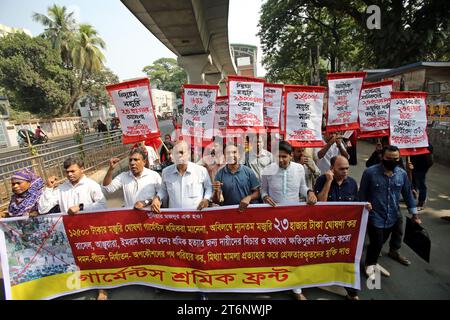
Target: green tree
94,87
411,30
32,74
167,75
301,42
87,59
299,36
60,27
79,46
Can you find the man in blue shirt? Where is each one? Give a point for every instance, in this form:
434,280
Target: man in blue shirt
235,182
337,185
381,185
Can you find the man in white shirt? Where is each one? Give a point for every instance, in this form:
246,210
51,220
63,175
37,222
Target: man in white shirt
138,184
284,183
186,184
260,159
333,147
152,157
78,193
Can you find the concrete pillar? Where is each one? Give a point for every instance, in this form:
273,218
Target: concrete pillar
217,78
223,87
213,78
194,66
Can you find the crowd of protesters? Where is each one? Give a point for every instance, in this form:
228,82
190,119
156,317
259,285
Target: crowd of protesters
241,174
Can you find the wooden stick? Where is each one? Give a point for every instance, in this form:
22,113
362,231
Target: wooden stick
164,145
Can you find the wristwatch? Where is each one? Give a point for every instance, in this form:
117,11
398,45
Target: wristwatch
147,202
81,206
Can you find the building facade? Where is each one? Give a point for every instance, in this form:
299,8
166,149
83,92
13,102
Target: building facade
245,58
4,30
164,103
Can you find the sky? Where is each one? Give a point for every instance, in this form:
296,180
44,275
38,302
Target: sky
130,46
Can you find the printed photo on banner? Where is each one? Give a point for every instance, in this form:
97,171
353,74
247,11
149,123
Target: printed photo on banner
246,102
199,103
304,108
273,95
344,90
408,122
134,106
374,107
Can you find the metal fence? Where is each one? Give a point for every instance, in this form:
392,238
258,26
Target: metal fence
95,154
52,145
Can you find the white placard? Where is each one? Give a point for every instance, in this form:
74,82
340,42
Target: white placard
343,100
374,108
246,103
135,110
272,105
408,122
304,116
221,117
199,111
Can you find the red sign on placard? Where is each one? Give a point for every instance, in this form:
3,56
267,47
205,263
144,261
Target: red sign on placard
374,105
344,90
246,102
304,108
199,104
133,102
408,122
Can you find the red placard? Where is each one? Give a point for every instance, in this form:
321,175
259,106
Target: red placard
377,104
344,90
246,100
138,122
408,122
303,115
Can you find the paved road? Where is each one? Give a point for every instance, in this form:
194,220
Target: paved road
420,280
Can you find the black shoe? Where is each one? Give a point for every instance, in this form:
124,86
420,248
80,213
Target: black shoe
399,258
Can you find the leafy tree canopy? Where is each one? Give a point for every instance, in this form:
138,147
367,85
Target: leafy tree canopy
167,75
303,40
32,74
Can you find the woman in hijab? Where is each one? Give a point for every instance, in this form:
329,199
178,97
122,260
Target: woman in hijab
27,188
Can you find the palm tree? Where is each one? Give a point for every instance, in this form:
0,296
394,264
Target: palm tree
87,57
86,54
60,27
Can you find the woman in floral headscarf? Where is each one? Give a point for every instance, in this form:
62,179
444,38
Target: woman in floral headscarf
27,188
